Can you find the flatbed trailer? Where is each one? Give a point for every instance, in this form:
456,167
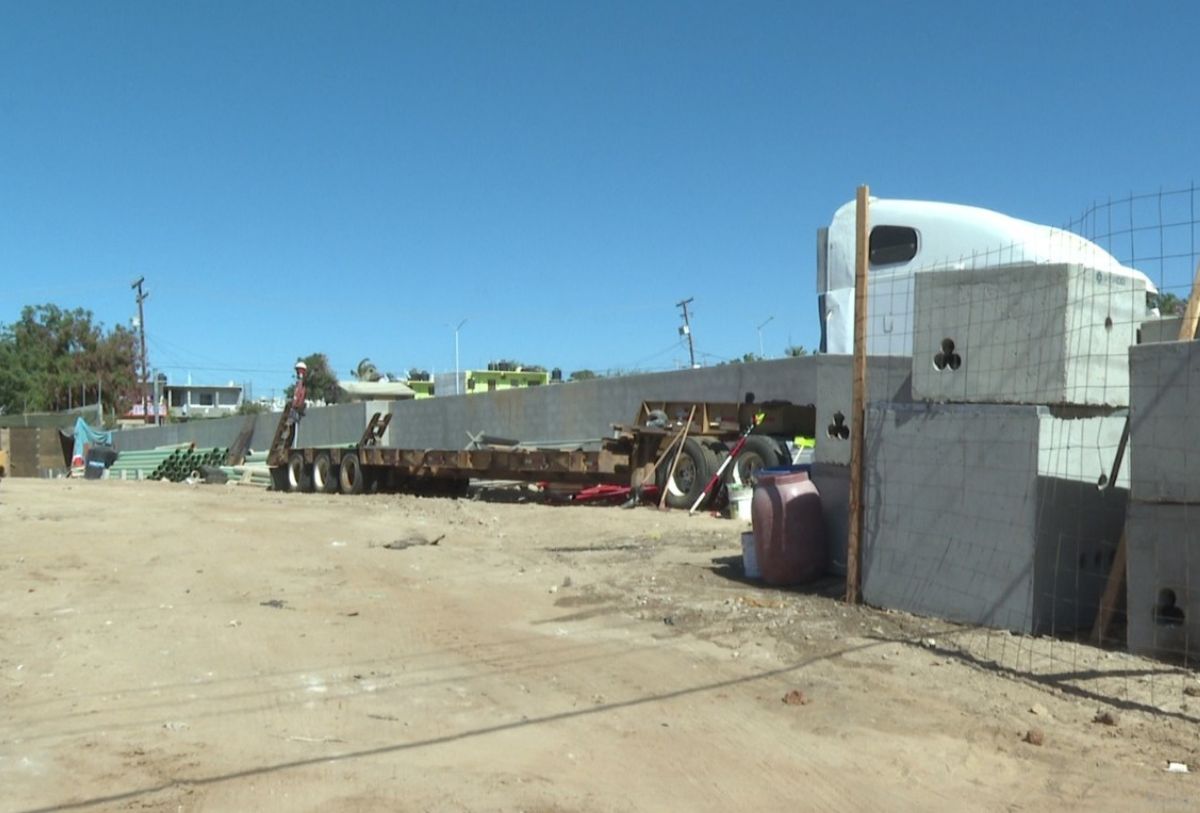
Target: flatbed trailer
636,455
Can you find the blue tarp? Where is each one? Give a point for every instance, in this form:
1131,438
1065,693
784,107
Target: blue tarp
85,438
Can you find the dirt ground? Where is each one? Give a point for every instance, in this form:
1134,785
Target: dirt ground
176,648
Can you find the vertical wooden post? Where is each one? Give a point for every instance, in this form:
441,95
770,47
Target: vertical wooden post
858,404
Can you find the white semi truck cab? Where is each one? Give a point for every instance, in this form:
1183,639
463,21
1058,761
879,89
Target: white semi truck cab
907,236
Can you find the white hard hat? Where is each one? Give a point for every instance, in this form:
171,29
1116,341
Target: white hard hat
300,365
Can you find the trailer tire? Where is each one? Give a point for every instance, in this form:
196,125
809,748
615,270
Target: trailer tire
455,487
279,478
696,466
351,476
325,474
299,473
760,452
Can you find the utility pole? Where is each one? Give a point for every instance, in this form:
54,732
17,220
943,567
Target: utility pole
141,297
686,329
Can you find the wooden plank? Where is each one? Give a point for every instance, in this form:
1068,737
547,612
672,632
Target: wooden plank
237,452
858,403
662,500
1112,593
1191,315
1116,576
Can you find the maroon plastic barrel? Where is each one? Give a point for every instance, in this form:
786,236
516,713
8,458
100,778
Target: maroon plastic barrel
789,528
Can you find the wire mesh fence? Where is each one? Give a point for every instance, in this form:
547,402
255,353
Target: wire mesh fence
1046,447
1154,232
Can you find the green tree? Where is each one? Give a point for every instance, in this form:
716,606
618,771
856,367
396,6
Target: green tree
52,358
320,383
746,358
1170,305
583,375
795,351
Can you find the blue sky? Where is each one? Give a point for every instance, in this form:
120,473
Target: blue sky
356,178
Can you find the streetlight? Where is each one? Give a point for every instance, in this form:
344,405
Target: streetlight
457,385
760,342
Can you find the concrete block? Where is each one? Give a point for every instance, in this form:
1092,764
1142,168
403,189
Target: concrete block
1163,580
833,483
332,425
1025,334
888,380
1164,435
1165,329
990,514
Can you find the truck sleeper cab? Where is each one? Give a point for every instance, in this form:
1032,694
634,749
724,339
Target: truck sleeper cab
910,235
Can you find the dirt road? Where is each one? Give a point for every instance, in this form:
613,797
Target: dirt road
171,647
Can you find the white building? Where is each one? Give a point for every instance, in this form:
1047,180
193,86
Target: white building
203,400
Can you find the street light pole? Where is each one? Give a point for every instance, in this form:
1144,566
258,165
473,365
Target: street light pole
457,385
760,341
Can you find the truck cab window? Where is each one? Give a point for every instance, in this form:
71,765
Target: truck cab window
892,244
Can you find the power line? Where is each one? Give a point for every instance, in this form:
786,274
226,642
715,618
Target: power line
182,353
637,364
217,369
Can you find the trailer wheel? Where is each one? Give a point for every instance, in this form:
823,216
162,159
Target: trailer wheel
299,473
324,474
455,487
696,466
760,452
351,476
279,478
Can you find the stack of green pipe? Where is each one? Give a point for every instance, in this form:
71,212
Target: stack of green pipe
251,473
191,461
174,463
141,464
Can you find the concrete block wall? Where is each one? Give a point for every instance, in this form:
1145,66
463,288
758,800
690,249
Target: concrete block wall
1026,334
888,379
1164,428
1163,532
322,426
968,519
833,484
34,451
1163,580
588,409
573,411
205,434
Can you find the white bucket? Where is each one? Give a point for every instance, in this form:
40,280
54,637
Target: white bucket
740,498
750,556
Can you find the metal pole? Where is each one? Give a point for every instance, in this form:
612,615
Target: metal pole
457,386
761,354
